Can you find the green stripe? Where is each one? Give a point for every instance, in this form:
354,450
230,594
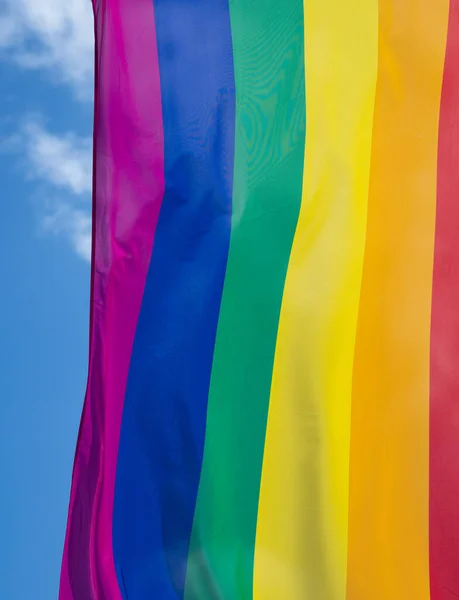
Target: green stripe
268,171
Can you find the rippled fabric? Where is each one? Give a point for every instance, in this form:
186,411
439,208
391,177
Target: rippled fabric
272,407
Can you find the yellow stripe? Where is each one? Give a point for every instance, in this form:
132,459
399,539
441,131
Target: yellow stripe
301,545
389,468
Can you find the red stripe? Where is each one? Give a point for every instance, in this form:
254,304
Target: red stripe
444,393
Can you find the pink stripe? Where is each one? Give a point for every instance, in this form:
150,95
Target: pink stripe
128,189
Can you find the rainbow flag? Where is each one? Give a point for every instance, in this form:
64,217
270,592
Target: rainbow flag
272,409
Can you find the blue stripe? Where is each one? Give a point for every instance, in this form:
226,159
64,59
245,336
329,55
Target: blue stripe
163,425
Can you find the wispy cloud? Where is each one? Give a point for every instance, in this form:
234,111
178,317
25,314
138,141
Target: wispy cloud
63,164
63,160
74,224
56,35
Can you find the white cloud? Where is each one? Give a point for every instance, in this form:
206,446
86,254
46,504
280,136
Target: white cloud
55,36
63,164
64,161
74,224
52,34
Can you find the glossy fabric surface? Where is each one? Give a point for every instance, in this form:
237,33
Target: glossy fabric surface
272,407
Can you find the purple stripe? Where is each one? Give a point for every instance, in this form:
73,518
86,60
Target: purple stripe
128,190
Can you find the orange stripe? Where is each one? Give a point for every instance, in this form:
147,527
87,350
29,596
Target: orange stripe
388,556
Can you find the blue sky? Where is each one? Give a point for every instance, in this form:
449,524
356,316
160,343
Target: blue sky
46,66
